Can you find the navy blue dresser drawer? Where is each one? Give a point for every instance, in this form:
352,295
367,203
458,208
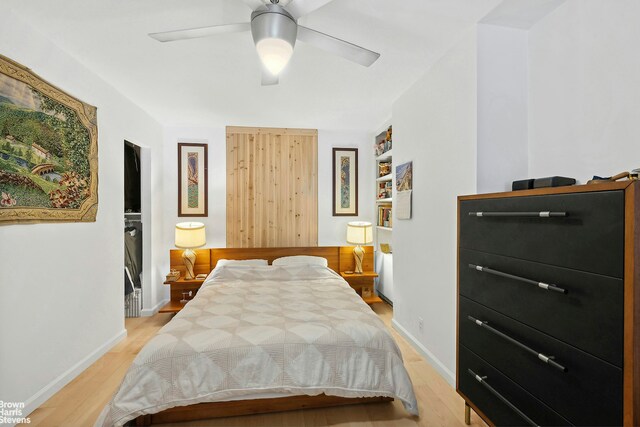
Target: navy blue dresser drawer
500,399
588,316
589,238
584,389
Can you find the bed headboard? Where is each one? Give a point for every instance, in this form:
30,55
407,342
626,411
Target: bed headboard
340,258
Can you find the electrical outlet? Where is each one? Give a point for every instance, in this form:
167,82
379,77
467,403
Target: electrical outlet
420,324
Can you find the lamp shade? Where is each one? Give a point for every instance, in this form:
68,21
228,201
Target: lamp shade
359,233
190,235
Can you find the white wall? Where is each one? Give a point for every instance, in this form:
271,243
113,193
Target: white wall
331,230
62,284
434,125
502,107
584,111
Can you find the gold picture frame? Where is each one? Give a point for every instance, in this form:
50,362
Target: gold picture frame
51,156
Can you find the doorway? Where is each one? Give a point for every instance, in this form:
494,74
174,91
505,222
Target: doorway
133,231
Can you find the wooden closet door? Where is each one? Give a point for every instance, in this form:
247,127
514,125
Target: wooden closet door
272,187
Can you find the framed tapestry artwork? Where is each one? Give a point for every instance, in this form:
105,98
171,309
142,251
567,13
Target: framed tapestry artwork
48,151
192,179
345,182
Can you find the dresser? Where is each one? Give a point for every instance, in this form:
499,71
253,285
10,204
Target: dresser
547,285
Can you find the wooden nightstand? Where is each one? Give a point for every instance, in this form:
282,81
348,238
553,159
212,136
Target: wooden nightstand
177,288
361,282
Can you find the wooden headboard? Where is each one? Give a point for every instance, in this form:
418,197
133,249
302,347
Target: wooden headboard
340,258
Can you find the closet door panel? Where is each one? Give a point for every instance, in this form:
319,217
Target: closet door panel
272,187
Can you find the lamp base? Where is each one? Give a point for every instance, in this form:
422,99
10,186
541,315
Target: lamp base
189,260
358,255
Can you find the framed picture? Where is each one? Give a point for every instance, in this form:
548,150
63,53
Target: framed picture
345,182
48,151
404,188
192,179
404,176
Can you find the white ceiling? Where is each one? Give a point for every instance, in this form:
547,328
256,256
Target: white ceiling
521,14
216,81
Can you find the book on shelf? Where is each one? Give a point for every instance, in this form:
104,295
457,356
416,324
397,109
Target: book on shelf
385,218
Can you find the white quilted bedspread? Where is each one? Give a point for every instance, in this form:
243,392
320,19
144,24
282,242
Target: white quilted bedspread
298,330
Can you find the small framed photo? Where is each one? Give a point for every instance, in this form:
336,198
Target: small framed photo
404,176
345,182
192,179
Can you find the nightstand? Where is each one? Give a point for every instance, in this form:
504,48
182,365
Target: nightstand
363,282
177,288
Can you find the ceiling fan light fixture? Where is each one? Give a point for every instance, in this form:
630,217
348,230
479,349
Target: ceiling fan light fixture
274,53
274,33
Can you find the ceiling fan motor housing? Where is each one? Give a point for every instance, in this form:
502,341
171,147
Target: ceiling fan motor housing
272,21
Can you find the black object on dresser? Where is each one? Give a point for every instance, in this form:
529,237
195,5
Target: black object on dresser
547,284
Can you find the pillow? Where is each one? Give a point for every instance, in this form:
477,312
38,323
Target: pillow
301,259
242,262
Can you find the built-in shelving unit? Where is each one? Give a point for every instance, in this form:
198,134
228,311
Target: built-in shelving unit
385,200
386,155
383,210
384,180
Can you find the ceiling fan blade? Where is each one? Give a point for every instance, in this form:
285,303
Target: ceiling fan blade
194,33
338,47
269,79
300,8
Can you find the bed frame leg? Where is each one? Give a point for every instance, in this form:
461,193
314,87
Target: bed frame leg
467,413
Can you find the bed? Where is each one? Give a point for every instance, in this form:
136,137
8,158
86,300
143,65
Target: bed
259,339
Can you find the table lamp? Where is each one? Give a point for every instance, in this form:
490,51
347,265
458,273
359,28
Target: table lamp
190,235
359,233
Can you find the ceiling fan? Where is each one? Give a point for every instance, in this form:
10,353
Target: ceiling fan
274,27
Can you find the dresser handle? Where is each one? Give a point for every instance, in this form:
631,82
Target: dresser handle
542,285
483,381
546,359
542,214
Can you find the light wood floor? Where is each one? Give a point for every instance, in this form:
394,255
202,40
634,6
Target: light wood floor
80,401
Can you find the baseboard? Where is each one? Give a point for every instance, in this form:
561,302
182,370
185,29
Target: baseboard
385,299
32,403
146,312
431,358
